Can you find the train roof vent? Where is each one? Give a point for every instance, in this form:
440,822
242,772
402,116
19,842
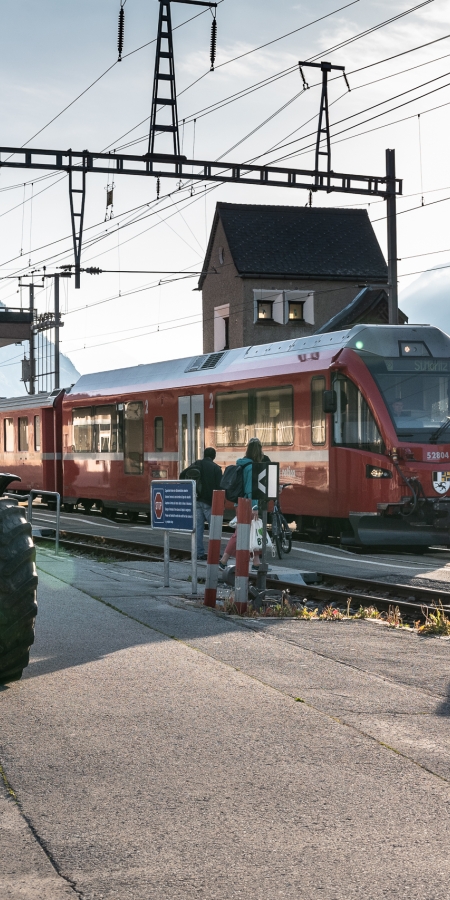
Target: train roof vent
207,361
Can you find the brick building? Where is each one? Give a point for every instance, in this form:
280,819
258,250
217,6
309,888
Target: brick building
275,272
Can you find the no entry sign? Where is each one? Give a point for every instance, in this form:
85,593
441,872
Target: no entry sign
173,505
159,506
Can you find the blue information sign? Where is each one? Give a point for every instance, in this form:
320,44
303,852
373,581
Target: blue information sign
173,505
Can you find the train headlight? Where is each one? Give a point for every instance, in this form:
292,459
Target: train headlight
413,348
377,472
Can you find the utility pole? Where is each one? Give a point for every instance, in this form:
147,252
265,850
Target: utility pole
391,216
164,59
32,354
57,364
323,127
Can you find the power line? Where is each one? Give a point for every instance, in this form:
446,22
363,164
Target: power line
93,83
239,95
371,30
413,208
289,33
279,145
303,150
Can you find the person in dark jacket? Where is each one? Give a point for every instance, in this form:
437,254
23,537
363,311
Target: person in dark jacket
211,476
253,453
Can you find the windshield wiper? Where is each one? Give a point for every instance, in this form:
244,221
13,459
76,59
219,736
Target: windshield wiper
441,429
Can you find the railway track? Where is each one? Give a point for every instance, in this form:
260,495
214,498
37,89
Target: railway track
330,589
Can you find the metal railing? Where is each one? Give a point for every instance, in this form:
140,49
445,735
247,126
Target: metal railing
35,493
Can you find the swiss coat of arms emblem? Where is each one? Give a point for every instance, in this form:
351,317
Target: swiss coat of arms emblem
441,482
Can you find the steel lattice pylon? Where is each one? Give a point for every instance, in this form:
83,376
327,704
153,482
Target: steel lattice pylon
164,59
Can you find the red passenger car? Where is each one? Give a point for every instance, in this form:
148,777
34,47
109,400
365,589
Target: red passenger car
357,420
30,441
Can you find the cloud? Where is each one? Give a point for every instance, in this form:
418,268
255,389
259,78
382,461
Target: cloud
427,300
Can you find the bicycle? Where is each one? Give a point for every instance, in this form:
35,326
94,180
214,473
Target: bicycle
281,533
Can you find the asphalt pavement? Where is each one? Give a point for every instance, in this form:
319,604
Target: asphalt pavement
157,749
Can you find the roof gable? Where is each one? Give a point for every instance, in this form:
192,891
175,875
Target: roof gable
370,302
299,241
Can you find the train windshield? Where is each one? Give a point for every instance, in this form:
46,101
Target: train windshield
416,392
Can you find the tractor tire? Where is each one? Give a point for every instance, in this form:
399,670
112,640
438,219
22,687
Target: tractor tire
18,583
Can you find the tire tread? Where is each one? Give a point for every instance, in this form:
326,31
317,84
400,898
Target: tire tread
18,584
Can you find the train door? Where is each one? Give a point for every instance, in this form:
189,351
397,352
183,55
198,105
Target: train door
191,430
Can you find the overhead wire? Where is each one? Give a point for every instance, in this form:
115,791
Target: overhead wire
367,31
279,144
302,150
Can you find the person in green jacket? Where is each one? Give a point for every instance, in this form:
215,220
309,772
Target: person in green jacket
253,453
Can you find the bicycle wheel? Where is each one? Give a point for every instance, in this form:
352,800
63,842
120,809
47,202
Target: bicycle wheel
277,532
286,537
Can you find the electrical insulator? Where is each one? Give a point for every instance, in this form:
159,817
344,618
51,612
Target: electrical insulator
158,188
121,32
93,270
213,43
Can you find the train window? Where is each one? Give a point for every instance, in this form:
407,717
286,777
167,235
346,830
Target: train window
8,430
232,419
354,424
105,429
37,432
318,419
267,414
83,427
159,434
134,438
273,417
23,433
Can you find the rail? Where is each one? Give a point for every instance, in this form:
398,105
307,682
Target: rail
328,589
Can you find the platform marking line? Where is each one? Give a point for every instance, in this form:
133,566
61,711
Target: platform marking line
359,558
83,521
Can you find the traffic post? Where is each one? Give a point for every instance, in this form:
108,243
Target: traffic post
173,507
244,520
265,487
214,542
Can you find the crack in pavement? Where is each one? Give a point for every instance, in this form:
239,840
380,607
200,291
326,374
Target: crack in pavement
13,797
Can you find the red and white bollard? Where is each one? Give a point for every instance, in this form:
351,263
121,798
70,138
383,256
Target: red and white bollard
215,537
244,519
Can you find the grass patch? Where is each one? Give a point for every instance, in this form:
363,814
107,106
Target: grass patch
436,622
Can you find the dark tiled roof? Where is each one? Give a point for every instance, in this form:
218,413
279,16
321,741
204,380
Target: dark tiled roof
298,240
369,302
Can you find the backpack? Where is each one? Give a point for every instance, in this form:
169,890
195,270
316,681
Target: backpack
193,473
233,482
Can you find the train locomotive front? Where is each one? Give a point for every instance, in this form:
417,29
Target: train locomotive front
389,410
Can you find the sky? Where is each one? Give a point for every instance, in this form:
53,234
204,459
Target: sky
53,51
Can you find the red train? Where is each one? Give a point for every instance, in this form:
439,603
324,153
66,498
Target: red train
357,420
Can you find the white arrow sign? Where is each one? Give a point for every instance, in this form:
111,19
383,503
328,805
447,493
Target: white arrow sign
262,477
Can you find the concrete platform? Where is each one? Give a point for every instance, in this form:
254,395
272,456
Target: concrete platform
158,749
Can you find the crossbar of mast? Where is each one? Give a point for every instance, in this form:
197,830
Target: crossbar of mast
165,166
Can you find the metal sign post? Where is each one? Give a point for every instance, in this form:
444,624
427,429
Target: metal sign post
265,487
173,507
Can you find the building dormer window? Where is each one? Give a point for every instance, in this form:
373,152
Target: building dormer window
265,311
295,308
221,256
283,307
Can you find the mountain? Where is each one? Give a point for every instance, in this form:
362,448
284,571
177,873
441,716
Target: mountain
11,371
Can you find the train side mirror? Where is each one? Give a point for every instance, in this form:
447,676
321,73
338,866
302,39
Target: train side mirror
329,401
